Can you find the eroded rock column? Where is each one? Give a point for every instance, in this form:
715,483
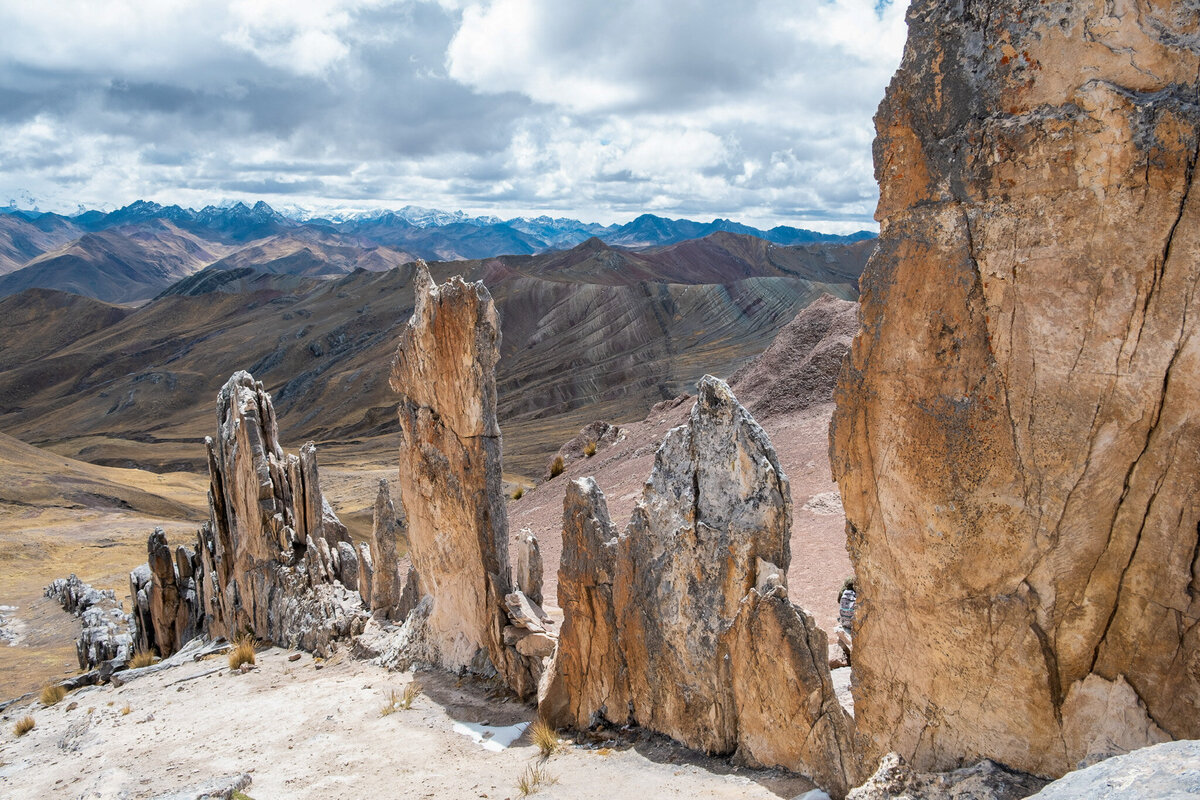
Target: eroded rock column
1017,430
450,477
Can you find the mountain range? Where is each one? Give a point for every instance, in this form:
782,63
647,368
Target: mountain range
132,254
594,332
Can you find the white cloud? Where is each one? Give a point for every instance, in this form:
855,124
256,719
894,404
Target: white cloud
759,111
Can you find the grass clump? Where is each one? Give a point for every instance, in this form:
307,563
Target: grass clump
544,738
519,493
242,652
401,700
589,449
51,694
24,725
557,467
142,658
126,710
533,779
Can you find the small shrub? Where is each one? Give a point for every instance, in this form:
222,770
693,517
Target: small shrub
401,700
24,725
533,779
557,467
142,658
589,449
242,652
126,710
52,694
544,738
519,493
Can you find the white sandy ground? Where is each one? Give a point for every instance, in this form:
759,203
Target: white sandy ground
303,731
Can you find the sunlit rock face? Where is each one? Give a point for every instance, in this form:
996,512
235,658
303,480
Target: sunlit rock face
450,478
1017,431
682,623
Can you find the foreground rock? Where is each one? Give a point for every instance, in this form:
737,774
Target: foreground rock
987,780
1017,429
682,624
1164,770
450,481
105,635
272,560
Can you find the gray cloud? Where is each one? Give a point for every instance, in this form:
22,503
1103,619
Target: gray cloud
588,109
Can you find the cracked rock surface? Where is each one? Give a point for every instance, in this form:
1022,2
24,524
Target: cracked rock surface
1018,423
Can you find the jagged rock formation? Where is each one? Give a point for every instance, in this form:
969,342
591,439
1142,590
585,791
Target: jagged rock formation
384,584
529,565
682,624
1017,426
104,635
273,559
450,478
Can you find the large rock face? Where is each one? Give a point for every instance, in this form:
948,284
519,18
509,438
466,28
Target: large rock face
273,559
1017,428
682,623
450,477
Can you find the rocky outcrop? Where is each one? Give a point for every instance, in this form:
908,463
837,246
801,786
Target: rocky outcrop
106,632
450,478
1164,770
591,439
1017,428
987,780
272,560
682,624
800,367
385,588
529,565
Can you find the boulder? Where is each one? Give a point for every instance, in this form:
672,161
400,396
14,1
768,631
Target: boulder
1017,429
450,477
106,635
1163,770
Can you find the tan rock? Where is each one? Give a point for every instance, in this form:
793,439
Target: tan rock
529,566
1018,422
664,624
385,591
788,714
588,678
450,476
263,562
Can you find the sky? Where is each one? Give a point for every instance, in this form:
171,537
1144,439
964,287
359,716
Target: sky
757,110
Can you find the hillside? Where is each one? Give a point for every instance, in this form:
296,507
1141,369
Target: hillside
591,333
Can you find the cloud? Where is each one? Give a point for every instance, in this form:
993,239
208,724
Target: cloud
596,110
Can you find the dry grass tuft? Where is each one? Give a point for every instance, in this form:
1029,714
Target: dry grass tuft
589,449
533,779
51,694
242,652
126,710
24,725
142,658
519,493
557,467
544,738
401,700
